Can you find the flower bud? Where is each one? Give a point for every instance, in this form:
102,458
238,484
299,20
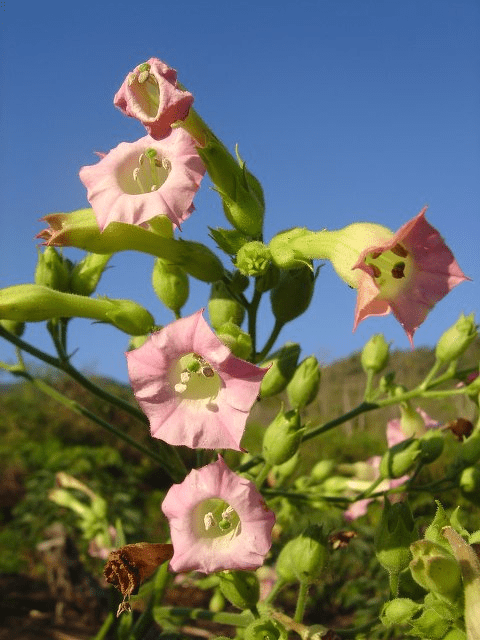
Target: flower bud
282,437
265,629
435,569
17,328
375,354
470,450
469,483
253,259
431,446
394,534
241,193
455,634
399,611
239,342
86,274
304,557
229,241
322,470
399,459
456,339
52,270
170,283
282,367
282,253
433,532
199,261
241,588
431,625
34,303
223,307
292,294
303,387
411,422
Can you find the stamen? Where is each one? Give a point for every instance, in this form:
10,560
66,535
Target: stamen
208,372
376,271
400,251
376,254
398,270
209,521
228,512
180,387
131,79
138,180
143,72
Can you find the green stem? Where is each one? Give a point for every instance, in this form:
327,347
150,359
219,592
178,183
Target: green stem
368,492
262,476
362,408
277,587
109,620
430,375
222,617
252,310
271,340
301,602
368,385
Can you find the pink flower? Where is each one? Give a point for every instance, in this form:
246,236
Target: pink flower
193,390
138,181
218,521
406,274
150,94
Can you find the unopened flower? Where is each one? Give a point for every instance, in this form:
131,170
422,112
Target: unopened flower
150,94
137,181
218,521
193,390
397,431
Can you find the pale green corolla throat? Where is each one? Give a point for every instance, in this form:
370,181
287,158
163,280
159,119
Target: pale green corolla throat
392,269
194,379
215,518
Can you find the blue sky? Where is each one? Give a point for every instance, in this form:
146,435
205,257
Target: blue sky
346,110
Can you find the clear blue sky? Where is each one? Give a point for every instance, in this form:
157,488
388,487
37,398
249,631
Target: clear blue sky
346,110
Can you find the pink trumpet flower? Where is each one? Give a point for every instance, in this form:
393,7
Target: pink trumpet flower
193,390
218,521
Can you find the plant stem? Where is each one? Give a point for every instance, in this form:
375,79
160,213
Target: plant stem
271,340
301,602
361,408
264,471
252,310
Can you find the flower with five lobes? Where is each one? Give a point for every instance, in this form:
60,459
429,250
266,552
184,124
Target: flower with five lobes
137,181
218,521
150,94
192,389
405,273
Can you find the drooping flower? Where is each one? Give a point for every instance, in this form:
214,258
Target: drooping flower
405,273
150,93
137,181
193,390
218,521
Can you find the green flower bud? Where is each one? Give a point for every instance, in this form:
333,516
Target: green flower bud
393,536
34,303
456,339
433,532
241,588
268,280
292,294
136,341
303,387
303,558
265,629
241,193
322,470
17,328
80,229
399,611
170,283
469,483
253,259
223,307
411,422
282,367
282,437
431,625
400,458
86,274
470,450
52,270
435,569
282,252
431,446
282,472
217,601
375,354
239,342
